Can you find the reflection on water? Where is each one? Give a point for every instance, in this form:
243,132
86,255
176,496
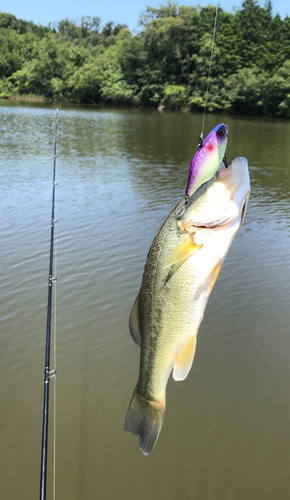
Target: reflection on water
120,172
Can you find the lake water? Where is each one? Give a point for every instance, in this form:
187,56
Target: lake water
226,434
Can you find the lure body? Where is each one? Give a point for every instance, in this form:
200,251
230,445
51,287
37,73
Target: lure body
207,159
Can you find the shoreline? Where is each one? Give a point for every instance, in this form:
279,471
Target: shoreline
160,109
24,98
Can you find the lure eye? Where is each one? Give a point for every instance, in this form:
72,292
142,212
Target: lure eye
221,132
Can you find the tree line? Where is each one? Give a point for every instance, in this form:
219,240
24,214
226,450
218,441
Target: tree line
164,64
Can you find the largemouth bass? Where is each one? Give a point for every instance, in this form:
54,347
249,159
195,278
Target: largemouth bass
182,266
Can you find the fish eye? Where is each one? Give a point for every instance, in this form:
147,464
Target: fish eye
221,132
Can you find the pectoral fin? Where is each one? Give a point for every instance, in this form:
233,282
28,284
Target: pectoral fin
183,252
184,360
134,324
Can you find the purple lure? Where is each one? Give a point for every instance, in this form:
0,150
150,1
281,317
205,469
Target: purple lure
207,159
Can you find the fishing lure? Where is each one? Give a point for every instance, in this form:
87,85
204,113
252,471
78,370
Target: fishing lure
207,159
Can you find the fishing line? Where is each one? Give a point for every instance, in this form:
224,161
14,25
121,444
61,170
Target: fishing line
209,70
200,142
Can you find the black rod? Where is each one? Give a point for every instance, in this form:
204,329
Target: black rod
48,330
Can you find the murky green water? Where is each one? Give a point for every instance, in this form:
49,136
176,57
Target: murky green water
226,433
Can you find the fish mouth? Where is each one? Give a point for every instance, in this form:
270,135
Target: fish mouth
233,183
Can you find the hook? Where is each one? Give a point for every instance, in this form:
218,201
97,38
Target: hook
225,161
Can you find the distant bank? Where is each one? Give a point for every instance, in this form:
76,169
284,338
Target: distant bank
163,66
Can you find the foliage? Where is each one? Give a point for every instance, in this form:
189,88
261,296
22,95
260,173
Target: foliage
165,63
174,96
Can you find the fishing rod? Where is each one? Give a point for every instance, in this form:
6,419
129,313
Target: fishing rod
47,373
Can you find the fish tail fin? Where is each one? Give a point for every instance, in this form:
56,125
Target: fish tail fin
145,419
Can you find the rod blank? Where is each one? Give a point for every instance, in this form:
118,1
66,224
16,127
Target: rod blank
47,376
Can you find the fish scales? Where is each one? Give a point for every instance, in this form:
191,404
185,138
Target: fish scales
157,306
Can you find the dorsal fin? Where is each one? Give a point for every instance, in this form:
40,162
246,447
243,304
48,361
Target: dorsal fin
184,360
134,324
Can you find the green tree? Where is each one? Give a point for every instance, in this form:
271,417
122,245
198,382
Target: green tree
166,62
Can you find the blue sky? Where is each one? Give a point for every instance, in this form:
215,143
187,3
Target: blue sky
119,11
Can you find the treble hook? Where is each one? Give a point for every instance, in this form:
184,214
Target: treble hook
225,161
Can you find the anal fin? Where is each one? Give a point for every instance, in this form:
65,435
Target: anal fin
134,323
184,360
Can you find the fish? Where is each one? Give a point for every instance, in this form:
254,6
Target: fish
182,266
207,159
